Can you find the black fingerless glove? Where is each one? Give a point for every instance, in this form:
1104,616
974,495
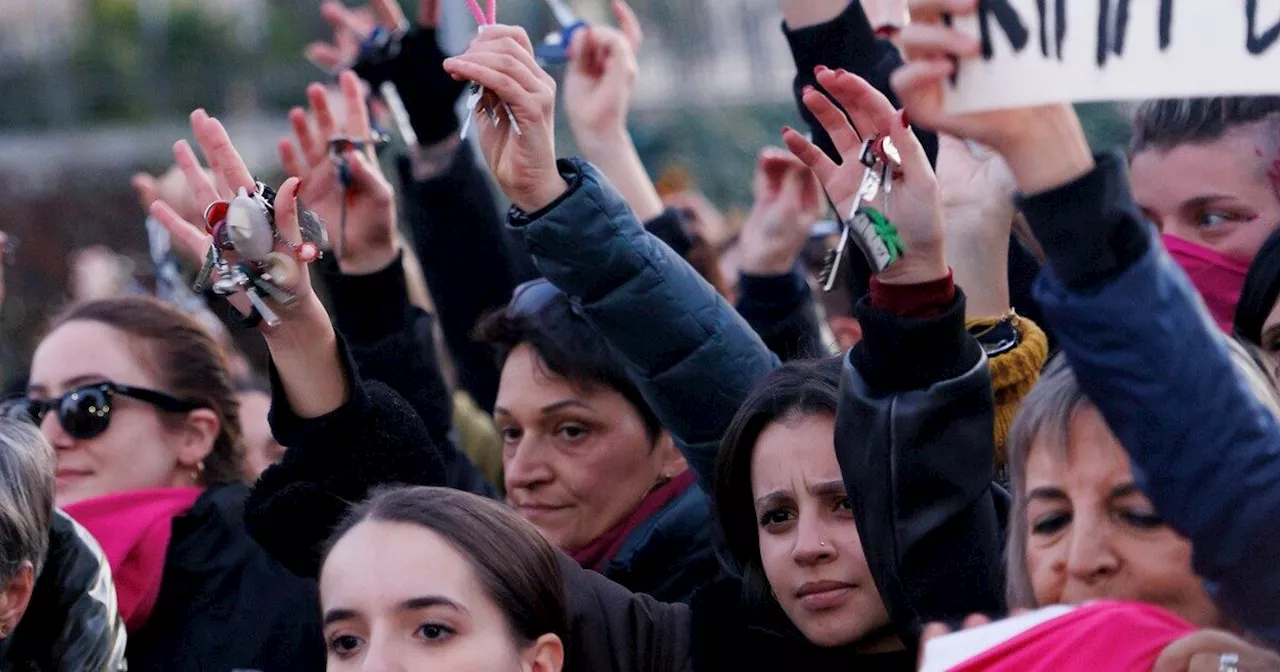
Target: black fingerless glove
414,63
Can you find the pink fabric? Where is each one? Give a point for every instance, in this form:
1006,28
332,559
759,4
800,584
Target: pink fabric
1219,279
134,529
1112,636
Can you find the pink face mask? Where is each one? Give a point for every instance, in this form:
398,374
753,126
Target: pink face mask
1220,279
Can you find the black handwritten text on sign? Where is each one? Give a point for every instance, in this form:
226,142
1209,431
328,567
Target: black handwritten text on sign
1112,28
1042,51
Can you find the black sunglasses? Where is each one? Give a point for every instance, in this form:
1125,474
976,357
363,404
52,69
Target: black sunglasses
84,412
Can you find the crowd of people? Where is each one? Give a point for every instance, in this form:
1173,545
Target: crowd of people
594,432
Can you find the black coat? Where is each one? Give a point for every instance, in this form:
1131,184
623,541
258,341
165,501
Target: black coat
72,623
224,603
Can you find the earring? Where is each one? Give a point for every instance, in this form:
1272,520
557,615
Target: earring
197,474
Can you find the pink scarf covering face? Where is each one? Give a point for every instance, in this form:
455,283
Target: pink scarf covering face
1219,278
134,529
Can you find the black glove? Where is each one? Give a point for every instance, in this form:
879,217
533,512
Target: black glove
414,63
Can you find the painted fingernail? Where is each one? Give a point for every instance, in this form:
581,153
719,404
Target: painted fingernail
821,69
906,119
787,129
807,89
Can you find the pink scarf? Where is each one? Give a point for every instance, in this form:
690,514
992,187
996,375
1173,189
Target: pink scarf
596,554
1219,279
134,529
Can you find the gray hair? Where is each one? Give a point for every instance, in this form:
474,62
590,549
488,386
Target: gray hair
26,496
1168,123
1044,419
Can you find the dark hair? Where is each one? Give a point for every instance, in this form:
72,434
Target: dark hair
798,389
516,566
1167,123
26,497
568,347
186,360
1261,289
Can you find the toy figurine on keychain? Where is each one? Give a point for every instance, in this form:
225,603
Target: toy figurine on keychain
866,226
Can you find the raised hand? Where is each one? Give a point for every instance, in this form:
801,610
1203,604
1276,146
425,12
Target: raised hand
914,208
1025,136
524,162
788,202
977,202
601,76
303,346
351,26
367,202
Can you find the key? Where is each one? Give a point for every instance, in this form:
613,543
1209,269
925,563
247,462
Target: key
831,269
473,101
268,315
206,271
275,292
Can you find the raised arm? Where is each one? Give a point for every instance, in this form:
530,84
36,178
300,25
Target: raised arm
692,355
914,425
1204,450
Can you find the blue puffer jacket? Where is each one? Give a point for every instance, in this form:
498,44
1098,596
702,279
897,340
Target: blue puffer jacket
1203,449
670,554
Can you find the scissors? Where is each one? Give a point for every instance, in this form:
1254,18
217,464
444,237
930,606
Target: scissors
554,50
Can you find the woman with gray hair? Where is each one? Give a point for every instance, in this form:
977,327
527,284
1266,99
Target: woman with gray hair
1081,528
57,601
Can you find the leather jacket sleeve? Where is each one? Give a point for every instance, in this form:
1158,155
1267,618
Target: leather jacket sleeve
914,441
73,623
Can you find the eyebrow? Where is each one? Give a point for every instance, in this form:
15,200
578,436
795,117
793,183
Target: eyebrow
428,601
412,604
1124,490
550,408
72,383
1201,201
1047,492
823,489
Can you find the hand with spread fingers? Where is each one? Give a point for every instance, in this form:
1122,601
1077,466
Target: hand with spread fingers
341,181
303,343
522,159
380,45
788,202
1024,136
913,208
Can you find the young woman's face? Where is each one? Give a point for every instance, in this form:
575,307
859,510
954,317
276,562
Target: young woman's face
1220,195
809,544
575,462
1092,535
138,450
398,596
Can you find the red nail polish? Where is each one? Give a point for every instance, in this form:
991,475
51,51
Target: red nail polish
807,88
785,129
820,69
906,119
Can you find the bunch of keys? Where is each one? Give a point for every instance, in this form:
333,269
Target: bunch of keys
869,228
476,93
554,49
246,225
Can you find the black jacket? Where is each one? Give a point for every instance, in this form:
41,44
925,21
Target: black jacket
224,603
73,623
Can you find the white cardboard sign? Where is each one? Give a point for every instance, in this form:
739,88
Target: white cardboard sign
1043,51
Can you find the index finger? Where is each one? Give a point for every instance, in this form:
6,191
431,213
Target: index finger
357,111
225,157
628,23
932,10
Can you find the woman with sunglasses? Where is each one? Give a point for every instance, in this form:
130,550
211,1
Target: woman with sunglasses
136,400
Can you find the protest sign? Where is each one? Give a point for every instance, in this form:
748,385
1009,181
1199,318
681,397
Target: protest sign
1040,51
